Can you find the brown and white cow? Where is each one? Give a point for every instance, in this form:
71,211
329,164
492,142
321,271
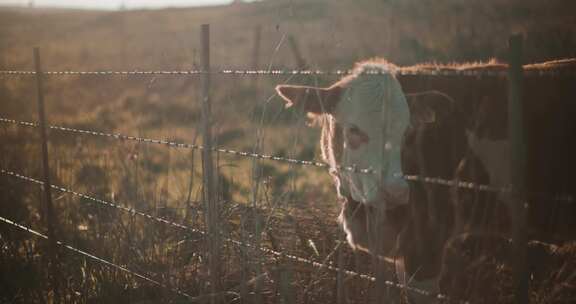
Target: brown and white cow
369,122
434,126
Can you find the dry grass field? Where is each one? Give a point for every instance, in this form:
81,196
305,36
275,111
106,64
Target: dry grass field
289,208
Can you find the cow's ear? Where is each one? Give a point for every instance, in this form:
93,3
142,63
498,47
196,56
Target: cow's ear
310,99
428,107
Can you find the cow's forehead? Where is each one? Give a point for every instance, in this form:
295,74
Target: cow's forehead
359,99
362,101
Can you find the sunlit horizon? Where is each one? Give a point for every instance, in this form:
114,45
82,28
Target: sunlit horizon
110,4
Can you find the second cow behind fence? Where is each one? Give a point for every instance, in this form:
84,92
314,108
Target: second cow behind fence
397,122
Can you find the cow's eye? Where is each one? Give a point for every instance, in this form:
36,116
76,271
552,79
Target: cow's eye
354,130
356,137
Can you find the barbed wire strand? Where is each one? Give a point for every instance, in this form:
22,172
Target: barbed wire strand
427,71
98,259
415,178
275,253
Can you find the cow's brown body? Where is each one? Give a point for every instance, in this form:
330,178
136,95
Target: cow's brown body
549,111
439,145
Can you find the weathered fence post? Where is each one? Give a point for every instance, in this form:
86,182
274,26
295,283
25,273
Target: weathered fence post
517,173
47,187
256,47
210,197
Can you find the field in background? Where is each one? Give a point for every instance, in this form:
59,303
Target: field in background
296,206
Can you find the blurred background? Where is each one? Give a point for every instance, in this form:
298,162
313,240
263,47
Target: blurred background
295,206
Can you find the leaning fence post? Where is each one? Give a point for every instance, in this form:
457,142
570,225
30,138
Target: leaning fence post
517,173
210,198
47,186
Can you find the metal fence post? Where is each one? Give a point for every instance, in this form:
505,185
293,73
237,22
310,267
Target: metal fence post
47,187
210,197
518,170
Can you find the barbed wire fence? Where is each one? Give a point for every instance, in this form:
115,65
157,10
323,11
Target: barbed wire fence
558,197
566,198
132,211
91,256
497,70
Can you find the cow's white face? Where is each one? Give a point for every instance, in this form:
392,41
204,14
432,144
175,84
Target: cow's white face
373,114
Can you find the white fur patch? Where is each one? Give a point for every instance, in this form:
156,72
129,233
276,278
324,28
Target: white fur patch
495,155
377,106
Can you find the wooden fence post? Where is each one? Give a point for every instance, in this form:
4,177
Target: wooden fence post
210,197
517,173
256,47
47,187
